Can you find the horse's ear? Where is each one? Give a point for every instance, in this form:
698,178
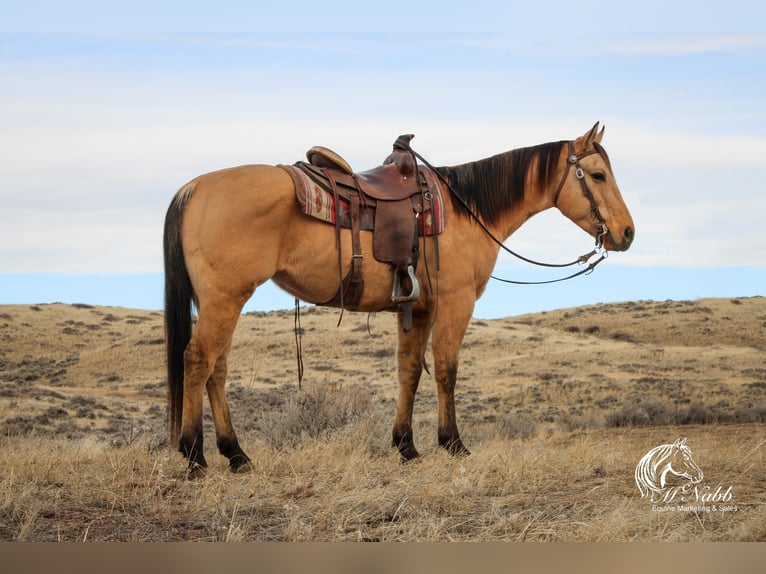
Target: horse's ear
600,135
681,442
586,140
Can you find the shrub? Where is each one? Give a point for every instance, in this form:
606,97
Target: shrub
695,413
314,411
574,422
754,413
644,411
516,426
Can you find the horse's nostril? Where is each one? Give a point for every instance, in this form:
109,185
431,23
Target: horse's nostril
628,234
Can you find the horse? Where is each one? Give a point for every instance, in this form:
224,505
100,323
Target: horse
658,466
229,231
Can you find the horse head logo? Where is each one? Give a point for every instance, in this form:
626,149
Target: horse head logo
664,466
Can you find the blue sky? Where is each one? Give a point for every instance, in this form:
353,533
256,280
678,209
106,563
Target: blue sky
107,109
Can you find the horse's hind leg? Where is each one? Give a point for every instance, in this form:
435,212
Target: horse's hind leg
196,373
226,438
211,338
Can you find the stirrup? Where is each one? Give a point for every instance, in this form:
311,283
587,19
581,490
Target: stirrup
396,294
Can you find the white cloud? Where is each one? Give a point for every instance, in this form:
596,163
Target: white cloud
94,200
689,45
652,147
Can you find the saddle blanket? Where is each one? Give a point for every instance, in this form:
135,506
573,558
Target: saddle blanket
320,203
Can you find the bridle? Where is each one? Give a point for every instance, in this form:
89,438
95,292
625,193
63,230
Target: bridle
574,160
602,230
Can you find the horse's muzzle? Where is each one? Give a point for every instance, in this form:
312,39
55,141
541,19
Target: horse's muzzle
622,243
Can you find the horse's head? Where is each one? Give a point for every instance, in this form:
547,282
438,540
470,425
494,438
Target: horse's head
589,196
681,463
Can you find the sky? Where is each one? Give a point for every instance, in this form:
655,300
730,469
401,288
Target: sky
107,109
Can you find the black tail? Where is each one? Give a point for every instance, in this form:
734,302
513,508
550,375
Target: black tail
178,308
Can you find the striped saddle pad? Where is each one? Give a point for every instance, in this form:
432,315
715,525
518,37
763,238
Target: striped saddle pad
316,199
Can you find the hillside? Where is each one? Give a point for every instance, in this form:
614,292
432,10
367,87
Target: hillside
76,369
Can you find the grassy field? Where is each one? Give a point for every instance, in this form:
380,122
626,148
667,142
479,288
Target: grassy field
557,408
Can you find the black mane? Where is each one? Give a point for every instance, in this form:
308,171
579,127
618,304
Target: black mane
492,186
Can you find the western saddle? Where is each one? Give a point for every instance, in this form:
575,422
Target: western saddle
390,199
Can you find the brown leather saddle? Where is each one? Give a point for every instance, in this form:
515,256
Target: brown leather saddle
399,201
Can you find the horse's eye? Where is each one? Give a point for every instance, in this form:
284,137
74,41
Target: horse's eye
599,176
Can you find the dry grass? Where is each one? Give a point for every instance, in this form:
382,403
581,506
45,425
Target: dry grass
557,408
567,487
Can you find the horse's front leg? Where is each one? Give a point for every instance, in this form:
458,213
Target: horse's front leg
449,330
410,356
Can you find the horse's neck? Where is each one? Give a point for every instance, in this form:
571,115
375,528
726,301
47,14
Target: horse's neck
508,188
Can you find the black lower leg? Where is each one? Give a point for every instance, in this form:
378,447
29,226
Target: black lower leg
452,443
229,447
405,444
191,448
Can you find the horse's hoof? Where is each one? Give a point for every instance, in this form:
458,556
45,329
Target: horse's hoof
455,447
196,471
462,451
408,452
240,464
402,441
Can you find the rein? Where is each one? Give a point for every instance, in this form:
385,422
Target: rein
572,160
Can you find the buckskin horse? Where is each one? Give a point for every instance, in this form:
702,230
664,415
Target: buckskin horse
229,231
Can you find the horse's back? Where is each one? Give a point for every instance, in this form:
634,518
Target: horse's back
244,183
239,193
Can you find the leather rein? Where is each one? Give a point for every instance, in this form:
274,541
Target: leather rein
572,161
